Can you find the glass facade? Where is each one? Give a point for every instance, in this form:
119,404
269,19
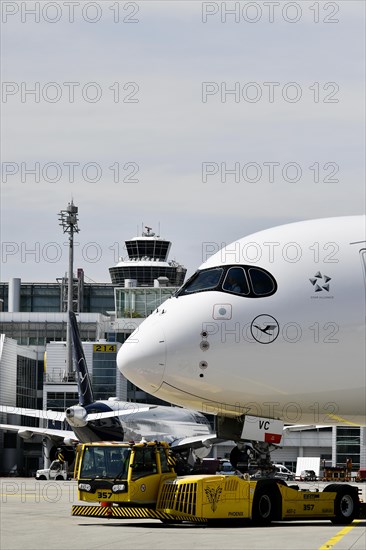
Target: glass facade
98,298
149,248
348,446
41,333
26,382
60,401
46,297
140,302
26,391
104,371
145,275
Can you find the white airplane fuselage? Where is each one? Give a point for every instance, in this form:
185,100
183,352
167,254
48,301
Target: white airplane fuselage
290,344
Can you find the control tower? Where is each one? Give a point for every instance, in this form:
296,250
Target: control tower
146,263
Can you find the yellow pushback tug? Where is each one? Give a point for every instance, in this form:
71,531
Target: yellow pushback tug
137,480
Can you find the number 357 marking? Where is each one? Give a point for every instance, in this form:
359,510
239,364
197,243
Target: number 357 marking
104,494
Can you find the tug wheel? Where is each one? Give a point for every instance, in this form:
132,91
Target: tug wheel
263,504
346,504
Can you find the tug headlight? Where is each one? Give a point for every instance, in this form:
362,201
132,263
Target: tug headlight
84,487
120,488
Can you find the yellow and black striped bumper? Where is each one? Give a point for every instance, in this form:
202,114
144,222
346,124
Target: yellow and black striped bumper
120,512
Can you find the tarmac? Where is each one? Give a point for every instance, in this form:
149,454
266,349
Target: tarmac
37,515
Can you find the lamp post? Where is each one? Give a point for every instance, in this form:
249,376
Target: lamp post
69,223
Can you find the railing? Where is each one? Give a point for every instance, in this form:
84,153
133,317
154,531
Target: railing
59,377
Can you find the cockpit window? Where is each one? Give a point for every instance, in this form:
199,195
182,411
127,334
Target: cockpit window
204,280
262,283
240,280
236,281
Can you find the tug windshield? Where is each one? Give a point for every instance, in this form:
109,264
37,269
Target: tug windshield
105,462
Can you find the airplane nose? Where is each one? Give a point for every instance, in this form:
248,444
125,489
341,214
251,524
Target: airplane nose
142,358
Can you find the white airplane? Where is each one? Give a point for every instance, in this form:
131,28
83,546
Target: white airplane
92,420
271,328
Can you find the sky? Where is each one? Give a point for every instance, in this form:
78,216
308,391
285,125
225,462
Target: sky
207,121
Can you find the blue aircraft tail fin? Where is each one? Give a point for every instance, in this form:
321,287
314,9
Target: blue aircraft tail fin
83,378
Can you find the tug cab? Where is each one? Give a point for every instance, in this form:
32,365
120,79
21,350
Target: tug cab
125,473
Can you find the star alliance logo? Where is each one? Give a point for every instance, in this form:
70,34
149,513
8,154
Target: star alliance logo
320,282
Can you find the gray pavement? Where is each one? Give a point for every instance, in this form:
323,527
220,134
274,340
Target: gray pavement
36,515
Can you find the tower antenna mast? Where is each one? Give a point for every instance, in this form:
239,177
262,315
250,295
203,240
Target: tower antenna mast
69,223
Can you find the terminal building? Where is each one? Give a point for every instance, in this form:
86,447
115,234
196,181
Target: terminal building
33,373
33,324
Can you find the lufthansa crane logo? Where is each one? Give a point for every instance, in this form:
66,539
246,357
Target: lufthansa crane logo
264,329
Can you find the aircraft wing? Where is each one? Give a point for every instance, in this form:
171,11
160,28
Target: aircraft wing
303,427
200,446
34,413
61,416
119,412
27,431
195,442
